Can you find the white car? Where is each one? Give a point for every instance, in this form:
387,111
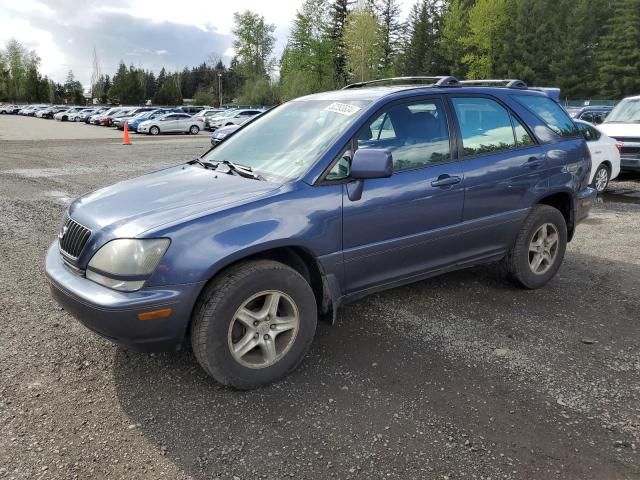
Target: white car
172,123
605,155
237,117
64,115
623,125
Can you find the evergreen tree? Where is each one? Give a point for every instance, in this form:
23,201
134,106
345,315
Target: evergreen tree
391,34
620,51
422,47
455,26
338,14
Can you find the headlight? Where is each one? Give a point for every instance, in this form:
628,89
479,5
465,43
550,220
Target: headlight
125,264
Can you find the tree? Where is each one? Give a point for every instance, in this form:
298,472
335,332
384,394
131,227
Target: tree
455,26
204,97
488,20
338,14
361,43
169,93
73,92
307,65
620,51
391,33
15,54
253,44
422,52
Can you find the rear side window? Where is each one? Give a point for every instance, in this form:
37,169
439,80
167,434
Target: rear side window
550,113
485,125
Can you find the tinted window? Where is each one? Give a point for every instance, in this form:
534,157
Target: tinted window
416,134
550,113
485,125
589,133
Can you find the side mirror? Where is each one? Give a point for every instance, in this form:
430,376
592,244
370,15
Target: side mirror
371,163
368,164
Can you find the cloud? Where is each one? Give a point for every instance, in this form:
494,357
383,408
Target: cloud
162,52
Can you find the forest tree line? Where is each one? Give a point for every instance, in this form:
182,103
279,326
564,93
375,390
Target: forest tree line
588,48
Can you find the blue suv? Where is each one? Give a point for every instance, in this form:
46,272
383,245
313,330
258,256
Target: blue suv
321,201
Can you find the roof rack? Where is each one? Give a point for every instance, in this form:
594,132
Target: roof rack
440,81
509,83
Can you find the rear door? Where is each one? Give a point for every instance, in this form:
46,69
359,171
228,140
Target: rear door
502,165
405,225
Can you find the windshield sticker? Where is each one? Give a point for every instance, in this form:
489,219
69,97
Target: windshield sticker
342,108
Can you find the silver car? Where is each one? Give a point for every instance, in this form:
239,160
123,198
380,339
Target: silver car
172,123
234,118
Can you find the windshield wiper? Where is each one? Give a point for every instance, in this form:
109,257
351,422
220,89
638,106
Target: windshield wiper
202,164
241,170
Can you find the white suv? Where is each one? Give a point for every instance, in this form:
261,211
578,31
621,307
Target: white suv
623,125
239,117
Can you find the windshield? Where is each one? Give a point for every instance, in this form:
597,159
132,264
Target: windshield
627,111
284,143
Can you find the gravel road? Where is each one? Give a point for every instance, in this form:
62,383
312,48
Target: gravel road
457,377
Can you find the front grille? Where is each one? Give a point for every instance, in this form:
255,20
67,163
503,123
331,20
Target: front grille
73,237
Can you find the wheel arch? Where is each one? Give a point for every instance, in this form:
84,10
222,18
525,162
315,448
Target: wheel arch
305,263
562,201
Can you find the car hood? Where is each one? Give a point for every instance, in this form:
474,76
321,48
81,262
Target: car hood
620,129
131,207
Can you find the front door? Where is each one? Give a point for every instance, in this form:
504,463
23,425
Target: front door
404,226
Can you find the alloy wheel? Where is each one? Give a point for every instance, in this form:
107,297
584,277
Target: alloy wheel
263,329
543,248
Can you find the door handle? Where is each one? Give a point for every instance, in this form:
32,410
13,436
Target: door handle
445,181
534,162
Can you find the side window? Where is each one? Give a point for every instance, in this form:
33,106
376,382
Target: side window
523,139
416,134
586,132
342,168
550,113
485,125
595,133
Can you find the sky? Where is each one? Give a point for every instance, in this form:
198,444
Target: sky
145,33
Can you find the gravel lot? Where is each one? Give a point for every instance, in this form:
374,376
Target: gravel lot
461,376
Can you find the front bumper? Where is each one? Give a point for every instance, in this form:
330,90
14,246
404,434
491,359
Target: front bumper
584,202
114,315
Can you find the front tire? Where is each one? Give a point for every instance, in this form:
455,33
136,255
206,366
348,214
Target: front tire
601,178
539,248
154,130
254,324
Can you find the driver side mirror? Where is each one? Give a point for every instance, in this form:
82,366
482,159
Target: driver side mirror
367,164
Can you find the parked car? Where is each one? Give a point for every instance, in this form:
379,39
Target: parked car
234,118
119,120
95,118
64,115
211,119
79,115
605,155
106,119
623,125
321,201
208,113
172,123
144,116
10,109
595,114
31,110
192,109
222,133
48,112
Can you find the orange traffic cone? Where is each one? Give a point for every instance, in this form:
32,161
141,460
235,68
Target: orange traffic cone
125,138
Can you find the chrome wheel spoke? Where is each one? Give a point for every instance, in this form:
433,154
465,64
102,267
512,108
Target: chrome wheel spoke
283,324
552,240
246,344
268,347
537,260
271,304
246,317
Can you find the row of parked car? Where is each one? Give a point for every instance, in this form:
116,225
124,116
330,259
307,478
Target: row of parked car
149,120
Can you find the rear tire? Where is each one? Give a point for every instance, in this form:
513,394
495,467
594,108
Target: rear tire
539,248
194,130
601,178
242,342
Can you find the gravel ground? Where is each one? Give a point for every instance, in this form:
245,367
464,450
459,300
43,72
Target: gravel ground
461,376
